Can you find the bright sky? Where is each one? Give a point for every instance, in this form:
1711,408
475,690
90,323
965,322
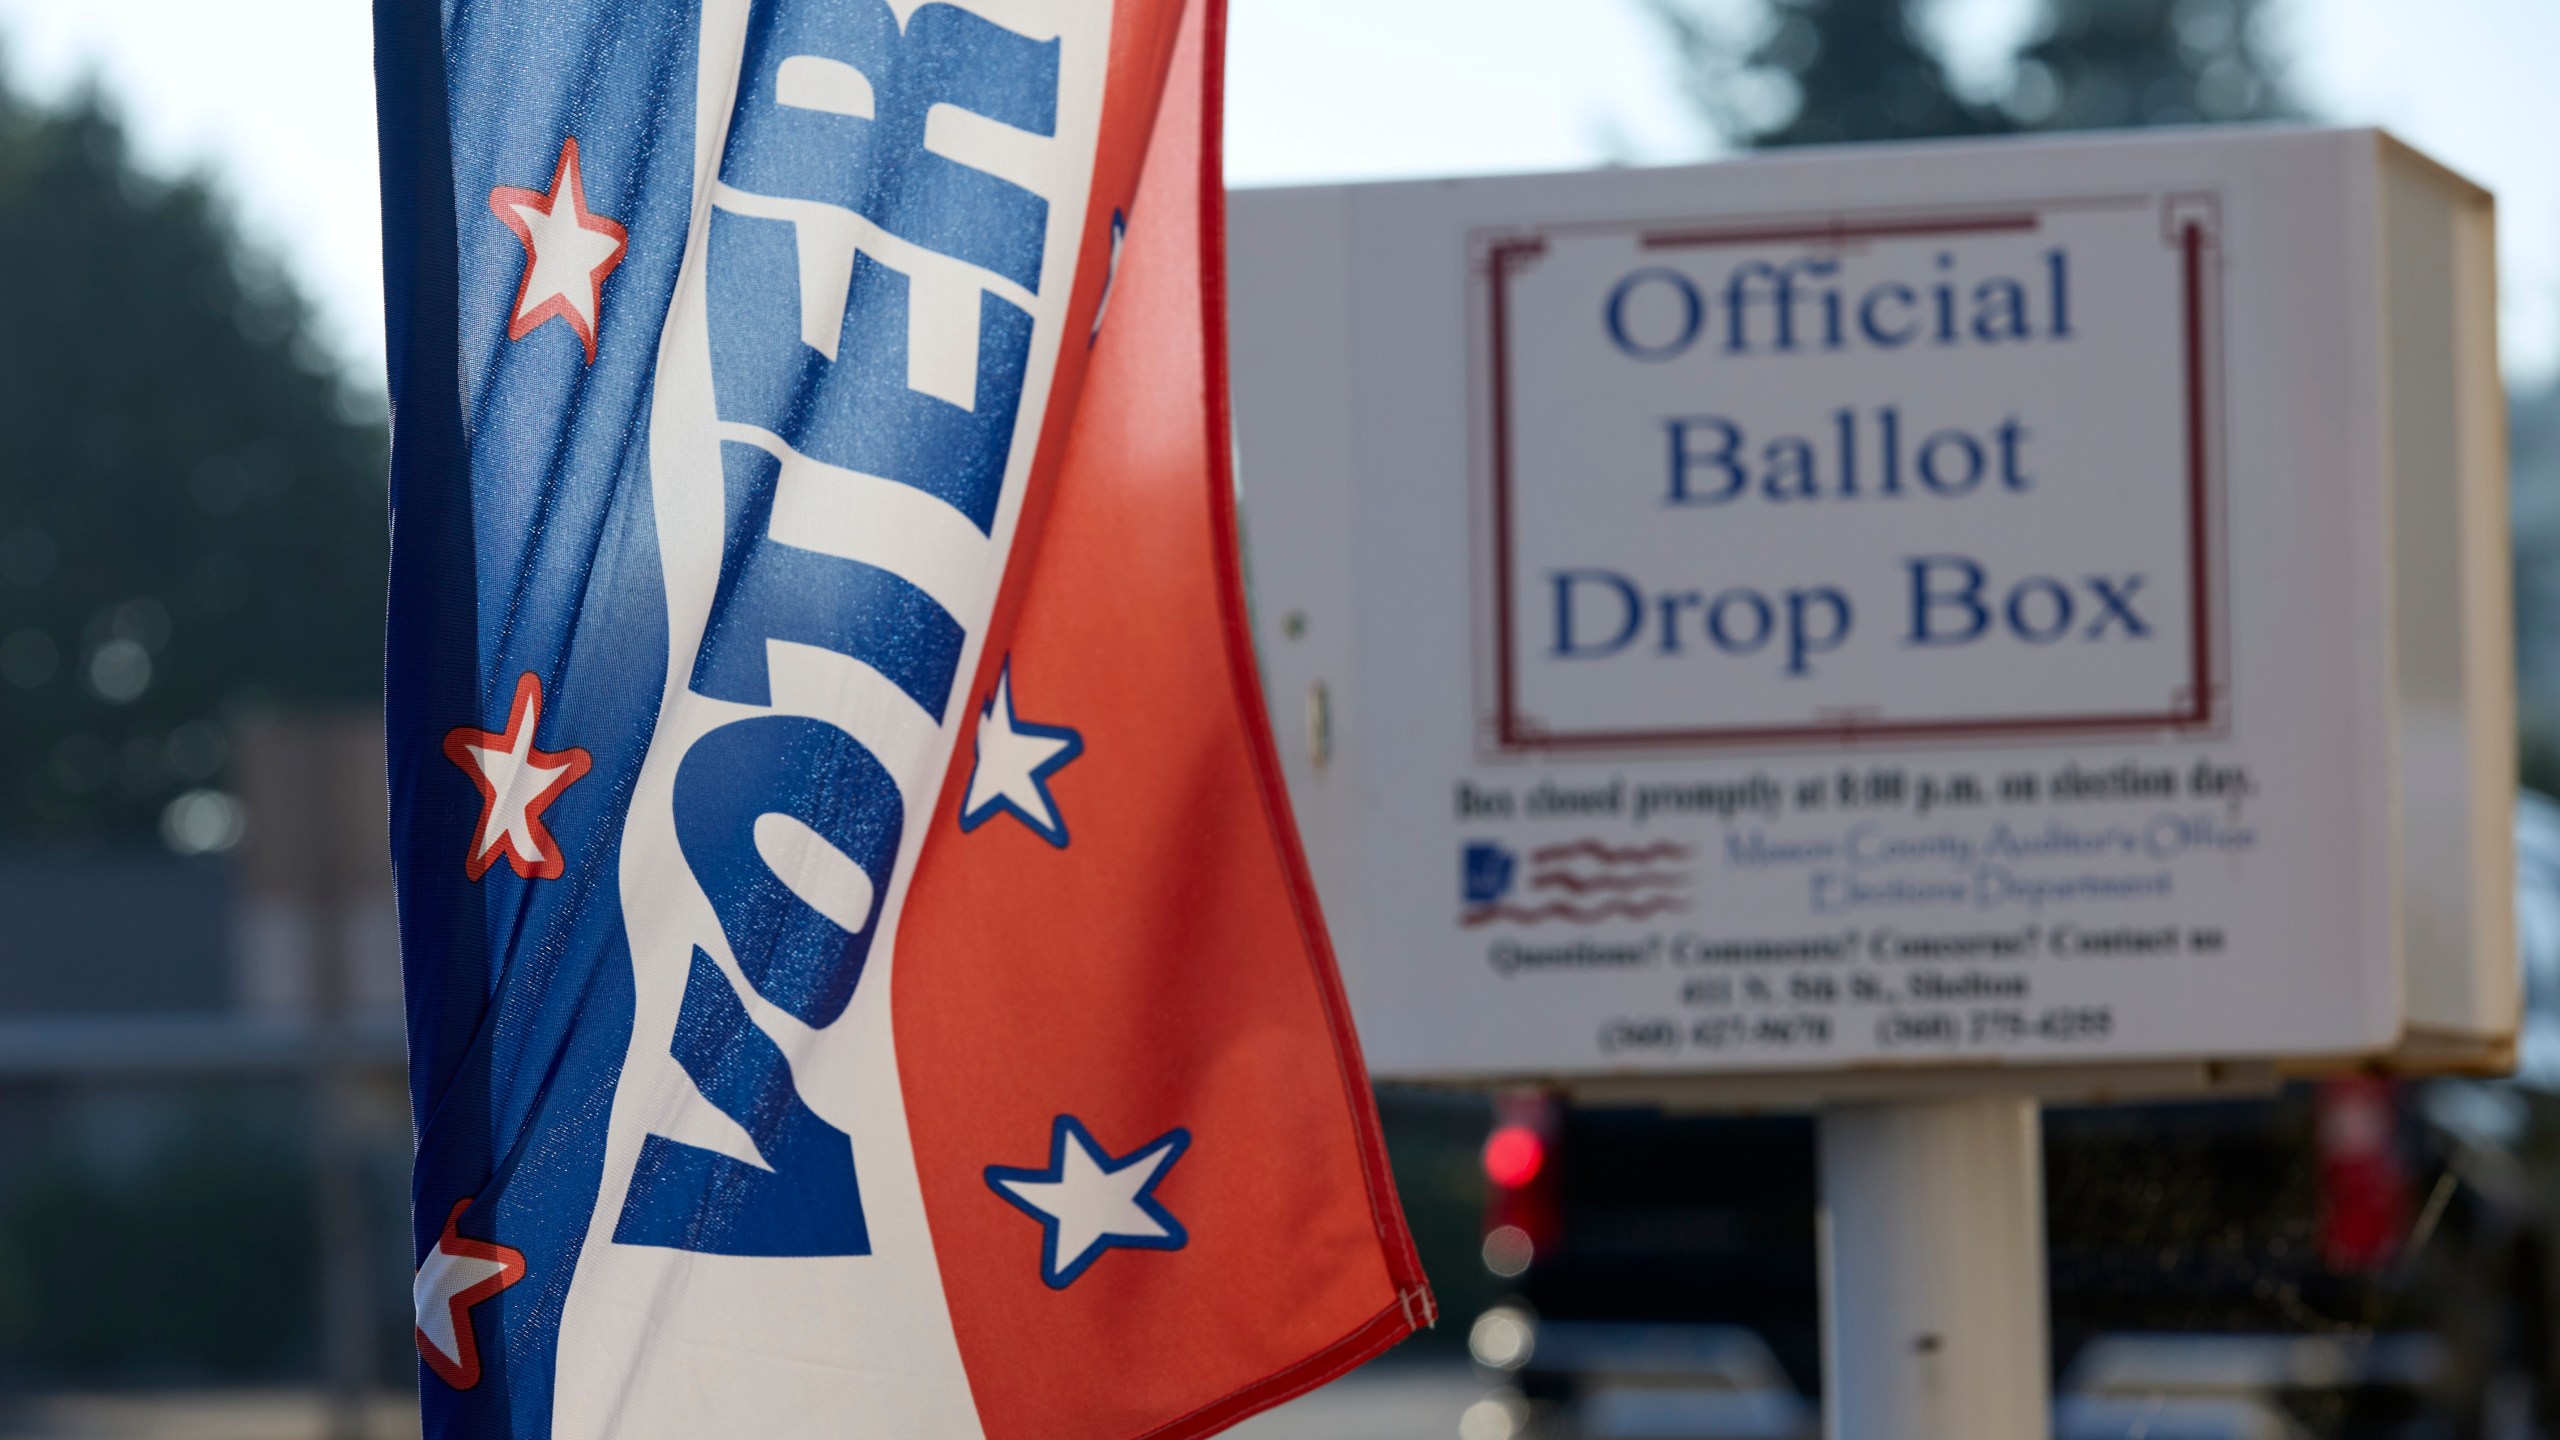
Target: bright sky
280,107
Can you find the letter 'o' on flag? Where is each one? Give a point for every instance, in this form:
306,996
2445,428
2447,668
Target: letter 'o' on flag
814,568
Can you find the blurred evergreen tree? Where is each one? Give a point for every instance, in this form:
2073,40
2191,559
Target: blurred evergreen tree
1822,71
2101,64
192,511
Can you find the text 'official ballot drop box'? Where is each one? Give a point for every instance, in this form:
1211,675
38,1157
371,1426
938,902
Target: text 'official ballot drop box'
2030,614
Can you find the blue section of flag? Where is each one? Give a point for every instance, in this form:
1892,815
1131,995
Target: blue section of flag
519,486
804,1200
735,776
765,588
854,410
878,166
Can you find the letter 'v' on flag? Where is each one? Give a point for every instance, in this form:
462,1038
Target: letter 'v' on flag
862,976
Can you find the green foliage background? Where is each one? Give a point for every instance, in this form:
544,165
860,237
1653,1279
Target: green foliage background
192,512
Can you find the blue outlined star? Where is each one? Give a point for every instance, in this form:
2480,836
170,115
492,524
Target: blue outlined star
1015,760
1088,1203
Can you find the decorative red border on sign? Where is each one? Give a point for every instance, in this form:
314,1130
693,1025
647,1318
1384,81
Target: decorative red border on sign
2189,223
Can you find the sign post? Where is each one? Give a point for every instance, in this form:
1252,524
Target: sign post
1904,632
1933,1269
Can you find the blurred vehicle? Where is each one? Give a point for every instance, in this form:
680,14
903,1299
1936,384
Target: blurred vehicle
2159,1385
2354,1258
1605,1380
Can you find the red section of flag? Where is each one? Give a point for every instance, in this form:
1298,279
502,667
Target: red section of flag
1068,1011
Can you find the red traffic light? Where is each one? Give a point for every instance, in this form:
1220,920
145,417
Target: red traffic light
1513,1155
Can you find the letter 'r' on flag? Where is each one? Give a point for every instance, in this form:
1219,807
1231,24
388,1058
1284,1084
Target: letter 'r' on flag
862,977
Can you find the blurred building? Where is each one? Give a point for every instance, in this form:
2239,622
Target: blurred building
2533,430
117,935
210,1044
314,933
247,933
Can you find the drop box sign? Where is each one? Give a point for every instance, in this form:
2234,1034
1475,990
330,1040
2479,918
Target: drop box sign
1961,605
1757,483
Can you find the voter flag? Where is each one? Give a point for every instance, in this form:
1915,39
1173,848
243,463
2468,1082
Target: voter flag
862,978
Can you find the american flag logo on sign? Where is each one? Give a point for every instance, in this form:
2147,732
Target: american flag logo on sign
1581,882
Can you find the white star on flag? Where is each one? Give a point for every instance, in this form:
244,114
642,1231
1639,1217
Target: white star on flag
517,782
457,1274
1088,1203
568,250
1014,762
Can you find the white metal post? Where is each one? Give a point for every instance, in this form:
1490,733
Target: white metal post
1933,1276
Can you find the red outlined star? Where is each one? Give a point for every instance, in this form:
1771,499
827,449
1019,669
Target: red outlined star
517,783
568,250
456,1275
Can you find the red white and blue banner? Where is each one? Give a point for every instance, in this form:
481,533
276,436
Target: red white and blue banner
862,977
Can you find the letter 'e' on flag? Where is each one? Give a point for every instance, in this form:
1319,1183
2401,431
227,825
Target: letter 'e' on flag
862,976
